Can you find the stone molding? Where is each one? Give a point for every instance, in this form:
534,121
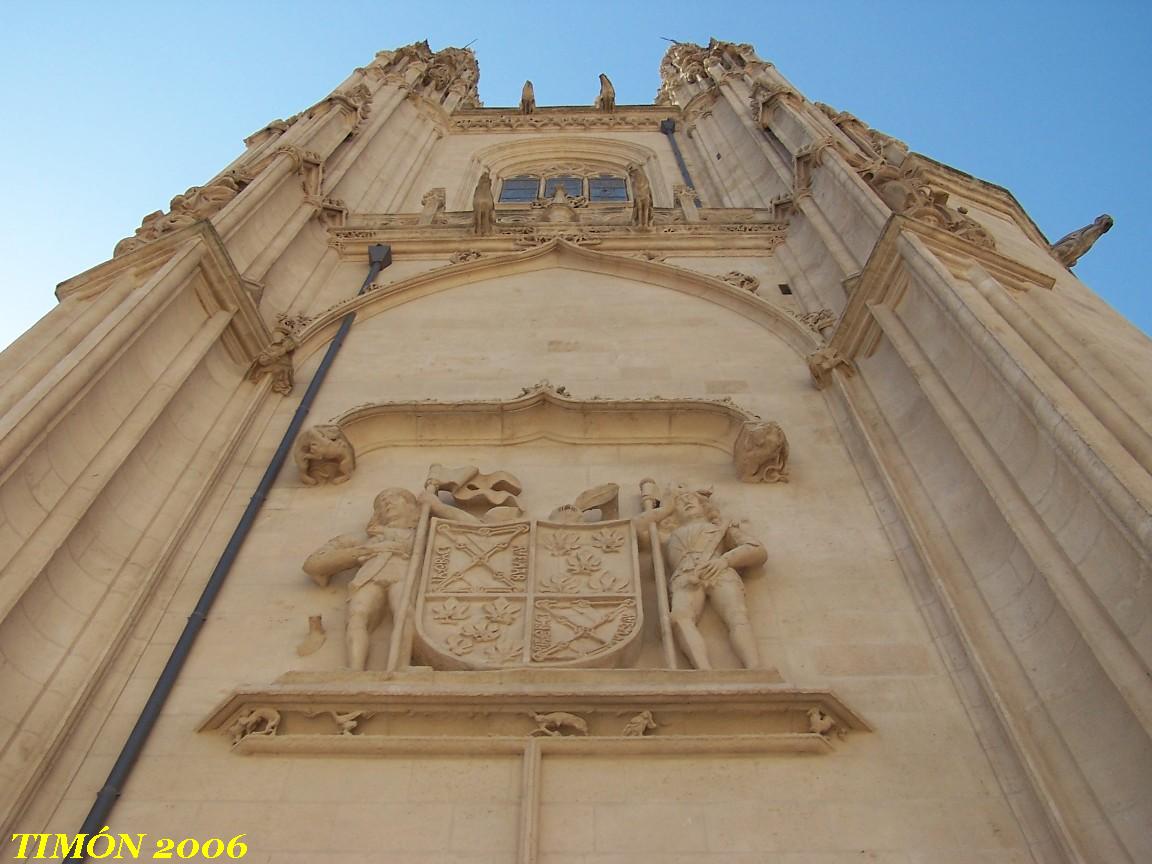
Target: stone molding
406,236
883,280
626,118
773,716
221,287
544,412
561,253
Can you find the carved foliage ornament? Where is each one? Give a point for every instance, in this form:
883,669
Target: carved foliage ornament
741,280
817,320
199,202
687,63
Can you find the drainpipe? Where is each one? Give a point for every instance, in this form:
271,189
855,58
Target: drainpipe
379,257
668,127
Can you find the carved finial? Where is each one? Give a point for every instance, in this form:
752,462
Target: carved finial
527,99
1072,247
606,101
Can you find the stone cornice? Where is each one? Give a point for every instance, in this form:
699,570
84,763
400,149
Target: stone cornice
995,198
753,234
645,118
885,278
545,412
219,288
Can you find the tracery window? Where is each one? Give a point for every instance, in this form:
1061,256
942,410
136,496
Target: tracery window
595,187
517,189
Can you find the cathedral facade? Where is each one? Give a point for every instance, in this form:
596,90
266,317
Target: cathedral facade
715,480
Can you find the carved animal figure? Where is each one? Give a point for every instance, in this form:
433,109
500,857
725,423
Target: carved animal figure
348,721
276,360
606,101
639,726
1071,247
761,453
258,721
324,455
483,205
822,362
641,197
559,723
821,723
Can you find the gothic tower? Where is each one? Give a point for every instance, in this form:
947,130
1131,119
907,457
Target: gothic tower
698,481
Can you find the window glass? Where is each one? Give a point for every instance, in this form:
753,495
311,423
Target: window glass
573,186
606,188
520,189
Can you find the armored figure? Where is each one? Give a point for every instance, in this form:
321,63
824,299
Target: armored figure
380,561
703,551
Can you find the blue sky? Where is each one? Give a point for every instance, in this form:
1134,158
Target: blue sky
113,108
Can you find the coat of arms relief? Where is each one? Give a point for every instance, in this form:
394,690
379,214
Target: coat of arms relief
472,626
472,583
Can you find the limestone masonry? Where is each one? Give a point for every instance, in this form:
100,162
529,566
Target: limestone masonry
711,481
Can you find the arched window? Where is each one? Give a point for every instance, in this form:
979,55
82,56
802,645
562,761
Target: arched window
573,186
605,187
524,188
598,188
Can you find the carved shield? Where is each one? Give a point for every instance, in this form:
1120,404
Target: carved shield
528,593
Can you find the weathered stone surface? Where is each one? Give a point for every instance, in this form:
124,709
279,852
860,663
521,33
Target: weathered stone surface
930,644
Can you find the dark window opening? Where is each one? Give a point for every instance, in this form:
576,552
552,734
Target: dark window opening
784,288
573,186
607,188
518,189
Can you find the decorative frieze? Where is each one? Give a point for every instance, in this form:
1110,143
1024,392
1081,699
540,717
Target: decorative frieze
592,711
633,118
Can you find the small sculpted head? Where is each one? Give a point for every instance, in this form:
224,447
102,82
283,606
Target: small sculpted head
692,504
395,507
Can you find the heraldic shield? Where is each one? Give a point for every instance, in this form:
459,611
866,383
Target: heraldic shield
529,593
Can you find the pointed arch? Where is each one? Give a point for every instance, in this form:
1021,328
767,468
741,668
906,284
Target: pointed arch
563,254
